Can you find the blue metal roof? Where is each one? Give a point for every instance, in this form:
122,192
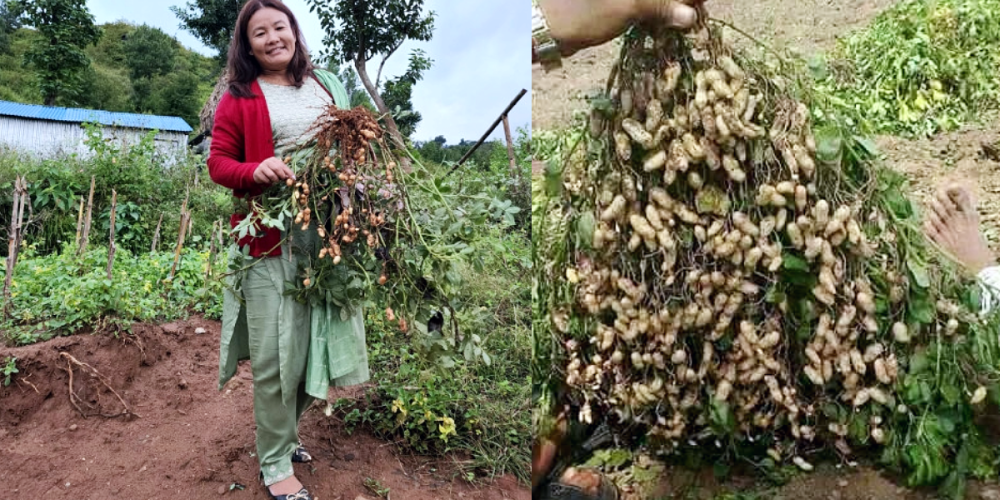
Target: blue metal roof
77,115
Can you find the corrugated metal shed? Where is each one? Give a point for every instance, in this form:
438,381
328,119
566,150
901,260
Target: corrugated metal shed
76,115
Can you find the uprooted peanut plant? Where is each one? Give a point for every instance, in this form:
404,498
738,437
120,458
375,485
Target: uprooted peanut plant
714,268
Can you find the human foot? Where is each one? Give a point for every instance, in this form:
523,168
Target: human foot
583,484
953,223
285,487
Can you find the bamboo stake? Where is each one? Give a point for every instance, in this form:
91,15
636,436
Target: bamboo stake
111,245
156,235
79,224
180,237
20,217
510,147
17,212
211,253
86,223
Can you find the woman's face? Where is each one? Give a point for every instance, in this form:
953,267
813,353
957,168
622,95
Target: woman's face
271,39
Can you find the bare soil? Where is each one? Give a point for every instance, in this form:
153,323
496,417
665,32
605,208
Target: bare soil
970,156
181,438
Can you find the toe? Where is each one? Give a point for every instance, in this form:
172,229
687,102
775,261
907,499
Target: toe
939,210
941,229
945,206
962,197
930,230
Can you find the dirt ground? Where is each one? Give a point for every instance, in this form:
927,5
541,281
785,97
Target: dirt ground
970,156
185,439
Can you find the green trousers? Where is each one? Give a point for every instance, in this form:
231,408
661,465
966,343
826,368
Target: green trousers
276,414
287,343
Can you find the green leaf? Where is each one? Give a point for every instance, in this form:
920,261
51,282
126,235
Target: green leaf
793,262
817,67
919,273
867,144
921,309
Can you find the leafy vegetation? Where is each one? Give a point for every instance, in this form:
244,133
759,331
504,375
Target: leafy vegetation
920,67
147,189
87,299
478,407
9,369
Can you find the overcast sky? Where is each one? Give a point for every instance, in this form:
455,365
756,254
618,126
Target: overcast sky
479,49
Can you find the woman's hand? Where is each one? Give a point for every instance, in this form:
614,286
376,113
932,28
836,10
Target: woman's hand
272,170
578,24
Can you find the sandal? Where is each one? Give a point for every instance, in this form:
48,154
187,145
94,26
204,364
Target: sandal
300,455
301,495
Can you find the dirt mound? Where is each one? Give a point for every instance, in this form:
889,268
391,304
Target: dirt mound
183,438
42,384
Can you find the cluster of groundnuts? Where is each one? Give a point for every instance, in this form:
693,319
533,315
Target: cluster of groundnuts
690,228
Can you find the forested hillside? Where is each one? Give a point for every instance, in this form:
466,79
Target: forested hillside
134,69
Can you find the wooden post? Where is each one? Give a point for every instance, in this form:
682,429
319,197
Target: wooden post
86,223
13,239
156,235
180,237
111,244
211,253
20,216
510,147
79,224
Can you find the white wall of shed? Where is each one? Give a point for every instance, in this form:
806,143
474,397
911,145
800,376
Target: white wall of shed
50,139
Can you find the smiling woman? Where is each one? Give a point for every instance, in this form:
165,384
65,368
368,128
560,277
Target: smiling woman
274,96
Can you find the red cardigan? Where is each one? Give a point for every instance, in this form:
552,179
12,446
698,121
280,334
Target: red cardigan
241,140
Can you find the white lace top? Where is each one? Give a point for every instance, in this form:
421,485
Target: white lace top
293,111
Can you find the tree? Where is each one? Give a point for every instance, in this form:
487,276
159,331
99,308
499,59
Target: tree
172,95
359,30
149,52
211,21
107,88
357,93
110,49
68,27
399,92
9,23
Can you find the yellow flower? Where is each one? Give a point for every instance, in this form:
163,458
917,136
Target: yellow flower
447,427
147,286
397,406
